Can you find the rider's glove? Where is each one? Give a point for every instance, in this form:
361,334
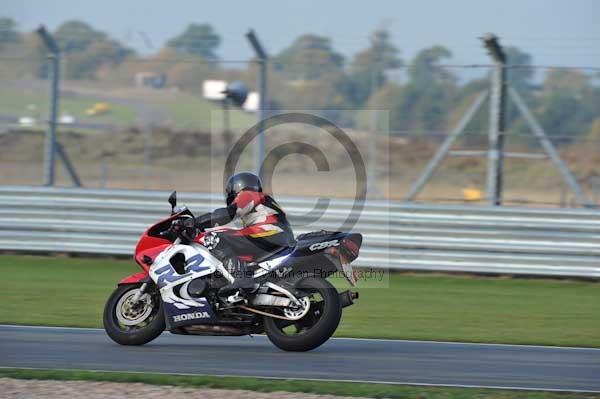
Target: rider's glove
184,227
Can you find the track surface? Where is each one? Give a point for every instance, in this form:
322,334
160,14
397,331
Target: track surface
407,362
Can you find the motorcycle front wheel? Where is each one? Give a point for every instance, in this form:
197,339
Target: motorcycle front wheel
317,325
133,323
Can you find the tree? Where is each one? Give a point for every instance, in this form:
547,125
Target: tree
189,75
185,71
425,70
520,75
568,102
427,98
309,57
8,32
197,39
87,49
309,75
76,36
386,98
569,81
84,64
594,133
368,67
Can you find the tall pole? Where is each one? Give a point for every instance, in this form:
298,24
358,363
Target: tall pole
262,114
262,58
50,139
497,120
50,142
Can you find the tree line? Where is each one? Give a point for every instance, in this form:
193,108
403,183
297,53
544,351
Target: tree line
423,95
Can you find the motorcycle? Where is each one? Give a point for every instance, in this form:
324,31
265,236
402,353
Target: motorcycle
178,288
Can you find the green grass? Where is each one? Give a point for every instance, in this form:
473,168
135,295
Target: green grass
477,309
266,385
185,111
118,114
14,102
61,291
191,112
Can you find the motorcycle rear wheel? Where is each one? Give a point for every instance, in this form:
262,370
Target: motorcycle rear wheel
127,325
316,327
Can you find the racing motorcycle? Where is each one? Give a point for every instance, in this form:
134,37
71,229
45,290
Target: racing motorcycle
178,288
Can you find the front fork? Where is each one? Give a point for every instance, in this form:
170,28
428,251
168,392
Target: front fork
138,295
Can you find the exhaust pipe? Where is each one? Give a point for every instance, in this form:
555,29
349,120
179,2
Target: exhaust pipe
203,329
347,298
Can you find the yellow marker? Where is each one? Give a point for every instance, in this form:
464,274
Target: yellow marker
98,109
472,194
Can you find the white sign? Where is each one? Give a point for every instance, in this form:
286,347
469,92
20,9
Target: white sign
213,89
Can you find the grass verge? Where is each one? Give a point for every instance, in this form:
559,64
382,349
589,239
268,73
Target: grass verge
61,291
16,103
271,385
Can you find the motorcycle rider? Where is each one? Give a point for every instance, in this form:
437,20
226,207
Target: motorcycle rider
252,225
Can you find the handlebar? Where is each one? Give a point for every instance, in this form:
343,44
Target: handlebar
181,228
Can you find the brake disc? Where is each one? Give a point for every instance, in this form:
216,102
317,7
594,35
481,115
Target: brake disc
129,313
299,312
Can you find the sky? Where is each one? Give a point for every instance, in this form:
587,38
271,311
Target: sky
563,33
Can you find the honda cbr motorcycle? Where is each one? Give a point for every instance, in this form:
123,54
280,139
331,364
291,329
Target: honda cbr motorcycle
177,289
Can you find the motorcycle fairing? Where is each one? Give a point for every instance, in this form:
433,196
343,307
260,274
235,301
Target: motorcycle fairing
303,257
149,253
200,314
135,278
180,308
273,263
150,244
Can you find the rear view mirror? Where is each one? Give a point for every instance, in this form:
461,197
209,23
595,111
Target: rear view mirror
173,201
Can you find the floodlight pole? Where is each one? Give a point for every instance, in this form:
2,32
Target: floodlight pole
262,59
497,120
50,139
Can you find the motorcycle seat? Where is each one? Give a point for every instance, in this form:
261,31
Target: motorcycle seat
302,241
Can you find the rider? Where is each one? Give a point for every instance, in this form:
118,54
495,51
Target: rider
251,226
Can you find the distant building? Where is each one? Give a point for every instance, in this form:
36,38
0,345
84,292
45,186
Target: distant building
150,79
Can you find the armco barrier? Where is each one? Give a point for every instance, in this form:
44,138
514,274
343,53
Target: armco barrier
397,235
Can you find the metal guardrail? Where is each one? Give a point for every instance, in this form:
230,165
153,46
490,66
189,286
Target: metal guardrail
397,235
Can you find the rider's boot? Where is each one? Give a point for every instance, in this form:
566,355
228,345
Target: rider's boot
242,286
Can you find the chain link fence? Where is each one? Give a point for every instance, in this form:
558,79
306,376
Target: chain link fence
146,123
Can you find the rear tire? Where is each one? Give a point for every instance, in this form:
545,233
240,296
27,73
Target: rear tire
327,321
148,329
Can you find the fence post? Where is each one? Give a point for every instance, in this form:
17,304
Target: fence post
262,93
50,139
497,120
51,148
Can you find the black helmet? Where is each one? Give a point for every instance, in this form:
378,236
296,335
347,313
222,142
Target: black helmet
240,182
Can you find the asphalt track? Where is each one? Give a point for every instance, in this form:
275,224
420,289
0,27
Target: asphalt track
341,359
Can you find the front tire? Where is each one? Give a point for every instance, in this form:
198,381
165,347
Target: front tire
133,325
316,327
